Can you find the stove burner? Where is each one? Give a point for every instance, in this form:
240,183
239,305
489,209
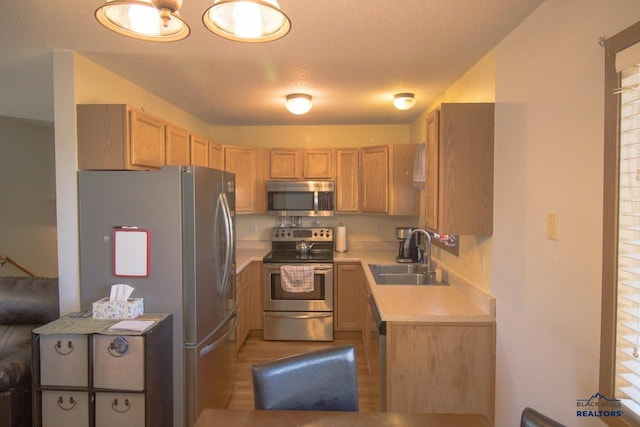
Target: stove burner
283,245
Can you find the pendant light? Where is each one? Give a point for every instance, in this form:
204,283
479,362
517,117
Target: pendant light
298,103
252,21
404,101
151,20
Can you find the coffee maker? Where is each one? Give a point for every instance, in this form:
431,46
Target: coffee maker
411,254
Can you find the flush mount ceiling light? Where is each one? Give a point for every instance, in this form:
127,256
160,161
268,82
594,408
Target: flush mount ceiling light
404,101
247,20
298,103
152,20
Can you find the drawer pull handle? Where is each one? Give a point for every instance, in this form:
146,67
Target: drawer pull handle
118,347
72,403
126,405
58,348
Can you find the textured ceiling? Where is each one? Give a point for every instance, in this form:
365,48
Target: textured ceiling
350,55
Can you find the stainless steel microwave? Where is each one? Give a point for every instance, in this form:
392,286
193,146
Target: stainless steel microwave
301,198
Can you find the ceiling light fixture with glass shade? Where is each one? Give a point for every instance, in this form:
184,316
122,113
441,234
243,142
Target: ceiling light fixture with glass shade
298,103
151,20
404,101
252,21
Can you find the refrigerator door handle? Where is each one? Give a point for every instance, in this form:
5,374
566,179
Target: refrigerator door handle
230,237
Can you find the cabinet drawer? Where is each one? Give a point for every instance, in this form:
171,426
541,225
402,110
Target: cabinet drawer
65,408
120,409
118,362
64,360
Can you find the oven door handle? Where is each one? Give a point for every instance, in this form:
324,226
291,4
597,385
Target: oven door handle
299,316
270,268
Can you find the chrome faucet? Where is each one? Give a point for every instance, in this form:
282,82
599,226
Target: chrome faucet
427,245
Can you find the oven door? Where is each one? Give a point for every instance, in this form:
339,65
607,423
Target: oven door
320,298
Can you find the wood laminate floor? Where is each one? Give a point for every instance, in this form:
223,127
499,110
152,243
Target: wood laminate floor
255,350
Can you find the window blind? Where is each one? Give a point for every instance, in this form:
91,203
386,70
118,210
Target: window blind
627,378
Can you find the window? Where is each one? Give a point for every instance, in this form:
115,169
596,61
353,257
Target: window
620,337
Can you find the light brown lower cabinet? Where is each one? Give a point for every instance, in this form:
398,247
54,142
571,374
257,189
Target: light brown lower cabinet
348,303
441,367
249,300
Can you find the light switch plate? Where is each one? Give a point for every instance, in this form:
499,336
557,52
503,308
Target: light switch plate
552,225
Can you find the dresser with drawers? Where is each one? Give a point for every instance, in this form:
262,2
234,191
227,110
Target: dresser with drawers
87,375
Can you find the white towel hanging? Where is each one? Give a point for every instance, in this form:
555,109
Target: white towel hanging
419,168
297,278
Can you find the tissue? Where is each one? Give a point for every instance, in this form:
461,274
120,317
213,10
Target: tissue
118,305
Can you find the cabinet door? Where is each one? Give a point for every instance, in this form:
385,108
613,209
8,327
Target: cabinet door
216,156
431,171
348,297
241,161
199,151
347,180
147,140
177,146
242,328
286,163
255,295
374,172
318,163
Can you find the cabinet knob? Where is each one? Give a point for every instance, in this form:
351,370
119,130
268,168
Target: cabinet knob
60,350
70,406
125,406
118,347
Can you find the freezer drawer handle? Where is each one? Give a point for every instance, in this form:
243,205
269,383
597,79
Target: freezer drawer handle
118,347
115,405
299,316
207,349
58,348
61,405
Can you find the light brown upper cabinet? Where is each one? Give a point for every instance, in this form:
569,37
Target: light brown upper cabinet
386,179
199,150
251,170
286,163
216,155
177,146
242,162
347,180
459,169
116,136
318,163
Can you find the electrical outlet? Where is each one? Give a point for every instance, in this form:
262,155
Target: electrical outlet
253,228
379,228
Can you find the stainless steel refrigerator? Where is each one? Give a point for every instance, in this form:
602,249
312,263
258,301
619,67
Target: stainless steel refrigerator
188,215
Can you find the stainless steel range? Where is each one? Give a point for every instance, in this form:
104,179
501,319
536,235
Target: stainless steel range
298,285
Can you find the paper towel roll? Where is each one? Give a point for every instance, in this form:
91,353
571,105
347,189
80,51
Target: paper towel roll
341,239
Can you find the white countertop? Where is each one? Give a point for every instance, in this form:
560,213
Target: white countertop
460,301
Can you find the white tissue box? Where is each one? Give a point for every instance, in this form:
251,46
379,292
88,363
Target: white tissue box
130,309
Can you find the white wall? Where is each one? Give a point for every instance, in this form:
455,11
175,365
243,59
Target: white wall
548,157
27,199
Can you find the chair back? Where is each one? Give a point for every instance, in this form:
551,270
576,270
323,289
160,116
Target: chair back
324,380
533,418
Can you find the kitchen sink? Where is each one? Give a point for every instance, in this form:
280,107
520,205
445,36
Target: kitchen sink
402,274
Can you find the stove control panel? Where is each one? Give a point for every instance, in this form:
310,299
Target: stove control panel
293,234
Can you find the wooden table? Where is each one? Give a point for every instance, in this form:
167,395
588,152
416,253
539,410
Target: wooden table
250,418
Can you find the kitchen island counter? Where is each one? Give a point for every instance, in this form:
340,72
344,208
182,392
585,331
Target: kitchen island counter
460,301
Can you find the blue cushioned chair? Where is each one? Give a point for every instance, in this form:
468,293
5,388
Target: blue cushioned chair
324,380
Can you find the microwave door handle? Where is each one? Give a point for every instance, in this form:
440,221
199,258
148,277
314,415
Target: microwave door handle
315,201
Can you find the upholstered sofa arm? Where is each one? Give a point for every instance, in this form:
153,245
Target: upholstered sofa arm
15,355
28,300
